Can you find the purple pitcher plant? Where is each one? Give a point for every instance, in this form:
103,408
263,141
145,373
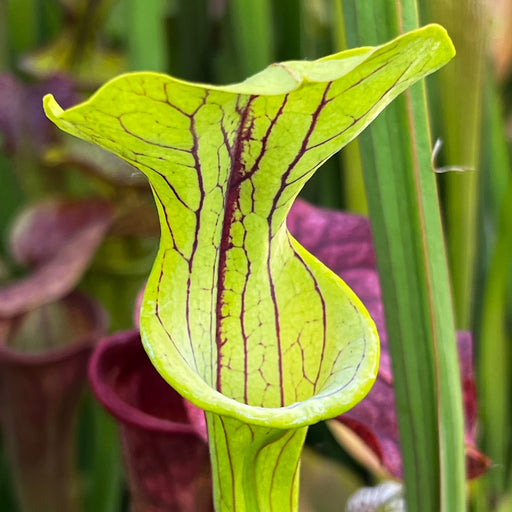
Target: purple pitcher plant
163,436
47,332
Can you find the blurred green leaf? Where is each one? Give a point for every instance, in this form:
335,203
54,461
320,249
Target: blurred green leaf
147,47
493,311
325,486
253,34
100,459
457,99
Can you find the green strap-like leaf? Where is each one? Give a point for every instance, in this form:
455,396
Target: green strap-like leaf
237,316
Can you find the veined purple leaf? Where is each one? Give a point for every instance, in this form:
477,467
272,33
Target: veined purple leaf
237,316
344,243
57,240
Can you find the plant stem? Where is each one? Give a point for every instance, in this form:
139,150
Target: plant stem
253,464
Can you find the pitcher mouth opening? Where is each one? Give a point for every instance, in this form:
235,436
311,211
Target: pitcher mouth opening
115,361
333,400
90,317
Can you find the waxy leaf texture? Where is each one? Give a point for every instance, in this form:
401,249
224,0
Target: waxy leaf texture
237,316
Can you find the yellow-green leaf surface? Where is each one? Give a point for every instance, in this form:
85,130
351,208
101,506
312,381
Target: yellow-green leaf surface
237,316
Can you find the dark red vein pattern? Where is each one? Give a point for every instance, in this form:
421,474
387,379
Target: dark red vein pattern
232,296
233,301
263,479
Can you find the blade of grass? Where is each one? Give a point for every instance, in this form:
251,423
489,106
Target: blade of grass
253,34
404,211
192,46
288,29
147,40
354,194
352,171
4,49
50,20
496,163
316,38
100,449
11,197
457,91
494,352
22,26
7,500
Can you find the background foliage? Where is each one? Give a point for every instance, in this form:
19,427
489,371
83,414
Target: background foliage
222,41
